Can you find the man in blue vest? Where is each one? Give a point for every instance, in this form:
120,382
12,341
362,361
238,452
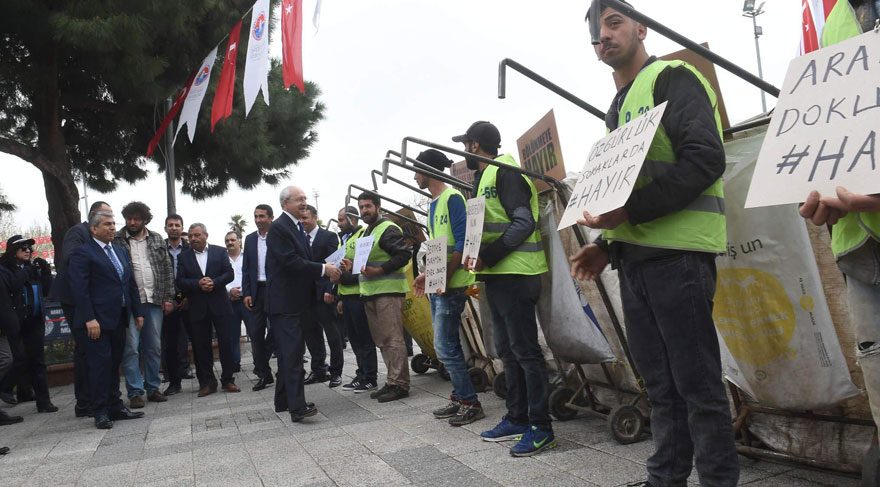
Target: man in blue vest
663,242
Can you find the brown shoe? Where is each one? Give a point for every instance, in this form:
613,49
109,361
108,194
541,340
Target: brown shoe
137,402
156,396
231,387
204,391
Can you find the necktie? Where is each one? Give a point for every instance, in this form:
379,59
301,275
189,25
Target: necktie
117,265
308,240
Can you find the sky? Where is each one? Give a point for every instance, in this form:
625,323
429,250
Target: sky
389,69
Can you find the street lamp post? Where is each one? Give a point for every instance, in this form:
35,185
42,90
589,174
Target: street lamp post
316,194
749,10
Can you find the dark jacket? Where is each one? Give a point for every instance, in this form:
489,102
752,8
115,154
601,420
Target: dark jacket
75,236
290,272
250,266
97,288
217,268
324,244
160,263
9,325
29,286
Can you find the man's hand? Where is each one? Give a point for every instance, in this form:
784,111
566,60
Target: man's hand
847,201
139,322
605,221
235,294
589,262
345,265
93,329
248,302
167,307
206,284
339,307
419,285
372,271
818,211
474,264
329,298
332,272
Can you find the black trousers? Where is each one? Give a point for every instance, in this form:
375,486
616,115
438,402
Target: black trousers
361,340
175,344
262,341
103,357
29,366
200,334
289,392
321,322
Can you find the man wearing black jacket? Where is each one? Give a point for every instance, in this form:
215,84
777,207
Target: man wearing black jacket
663,242
8,328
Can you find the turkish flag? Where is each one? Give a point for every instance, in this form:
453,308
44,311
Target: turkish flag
175,108
810,41
291,44
222,106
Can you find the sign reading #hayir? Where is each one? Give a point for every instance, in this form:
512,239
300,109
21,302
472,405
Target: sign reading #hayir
824,130
612,168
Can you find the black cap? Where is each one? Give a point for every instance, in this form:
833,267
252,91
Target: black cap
483,133
16,242
435,159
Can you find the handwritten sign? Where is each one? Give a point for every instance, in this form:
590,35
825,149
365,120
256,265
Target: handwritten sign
612,167
460,170
476,208
435,265
540,152
336,257
823,133
362,248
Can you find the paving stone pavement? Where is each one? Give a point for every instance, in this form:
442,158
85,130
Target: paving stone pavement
239,440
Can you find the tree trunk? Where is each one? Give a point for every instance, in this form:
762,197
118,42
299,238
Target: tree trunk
61,192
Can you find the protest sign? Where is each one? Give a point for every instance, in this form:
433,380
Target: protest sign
336,257
612,167
823,133
460,170
362,248
435,265
476,207
540,152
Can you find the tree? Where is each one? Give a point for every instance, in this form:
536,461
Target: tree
237,224
83,85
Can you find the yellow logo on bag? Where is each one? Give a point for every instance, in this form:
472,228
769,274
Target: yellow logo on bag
754,316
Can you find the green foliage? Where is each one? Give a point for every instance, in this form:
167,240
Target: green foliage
237,224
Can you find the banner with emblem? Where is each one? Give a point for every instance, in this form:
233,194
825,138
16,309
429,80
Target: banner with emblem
189,114
256,68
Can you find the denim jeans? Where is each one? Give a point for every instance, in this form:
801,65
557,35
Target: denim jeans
146,344
668,303
512,299
446,314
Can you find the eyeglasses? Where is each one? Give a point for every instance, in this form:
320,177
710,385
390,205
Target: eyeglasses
26,249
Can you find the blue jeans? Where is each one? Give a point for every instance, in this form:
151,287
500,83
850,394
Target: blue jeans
667,303
512,300
145,344
446,314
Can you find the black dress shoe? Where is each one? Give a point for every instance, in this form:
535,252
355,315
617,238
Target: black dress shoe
335,381
4,450
124,414
172,390
80,412
262,384
6,419
8,398
298,416
103,422
47,408
314,378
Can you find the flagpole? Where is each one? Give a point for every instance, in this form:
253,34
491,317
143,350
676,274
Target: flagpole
169,163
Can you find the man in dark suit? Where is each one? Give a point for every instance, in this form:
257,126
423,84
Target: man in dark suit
253,288
322,319
75,236
291,275
106,295
203,271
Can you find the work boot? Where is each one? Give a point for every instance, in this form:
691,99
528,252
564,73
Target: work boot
467,414
447,411
392,394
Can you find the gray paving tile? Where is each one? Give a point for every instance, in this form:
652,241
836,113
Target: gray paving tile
117,474
411,456
605,469
364,470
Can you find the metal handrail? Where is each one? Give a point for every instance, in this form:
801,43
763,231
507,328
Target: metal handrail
408,186
537,78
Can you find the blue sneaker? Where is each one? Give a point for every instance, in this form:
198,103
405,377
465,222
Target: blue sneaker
533,442
504,431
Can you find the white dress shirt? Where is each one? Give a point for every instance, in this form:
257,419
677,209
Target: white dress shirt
312,235
261,257
202,259
236,267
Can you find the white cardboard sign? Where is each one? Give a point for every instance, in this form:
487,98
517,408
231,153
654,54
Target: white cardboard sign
435,265
336,257
362,249
610,173
823,133
476,209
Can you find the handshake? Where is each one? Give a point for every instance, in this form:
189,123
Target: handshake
332,272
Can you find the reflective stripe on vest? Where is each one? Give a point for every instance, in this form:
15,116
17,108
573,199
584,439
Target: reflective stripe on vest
441,225
853,230
394,283
528,258
700,226
350,247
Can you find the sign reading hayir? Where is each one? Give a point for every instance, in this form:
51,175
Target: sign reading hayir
824,129
539,151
